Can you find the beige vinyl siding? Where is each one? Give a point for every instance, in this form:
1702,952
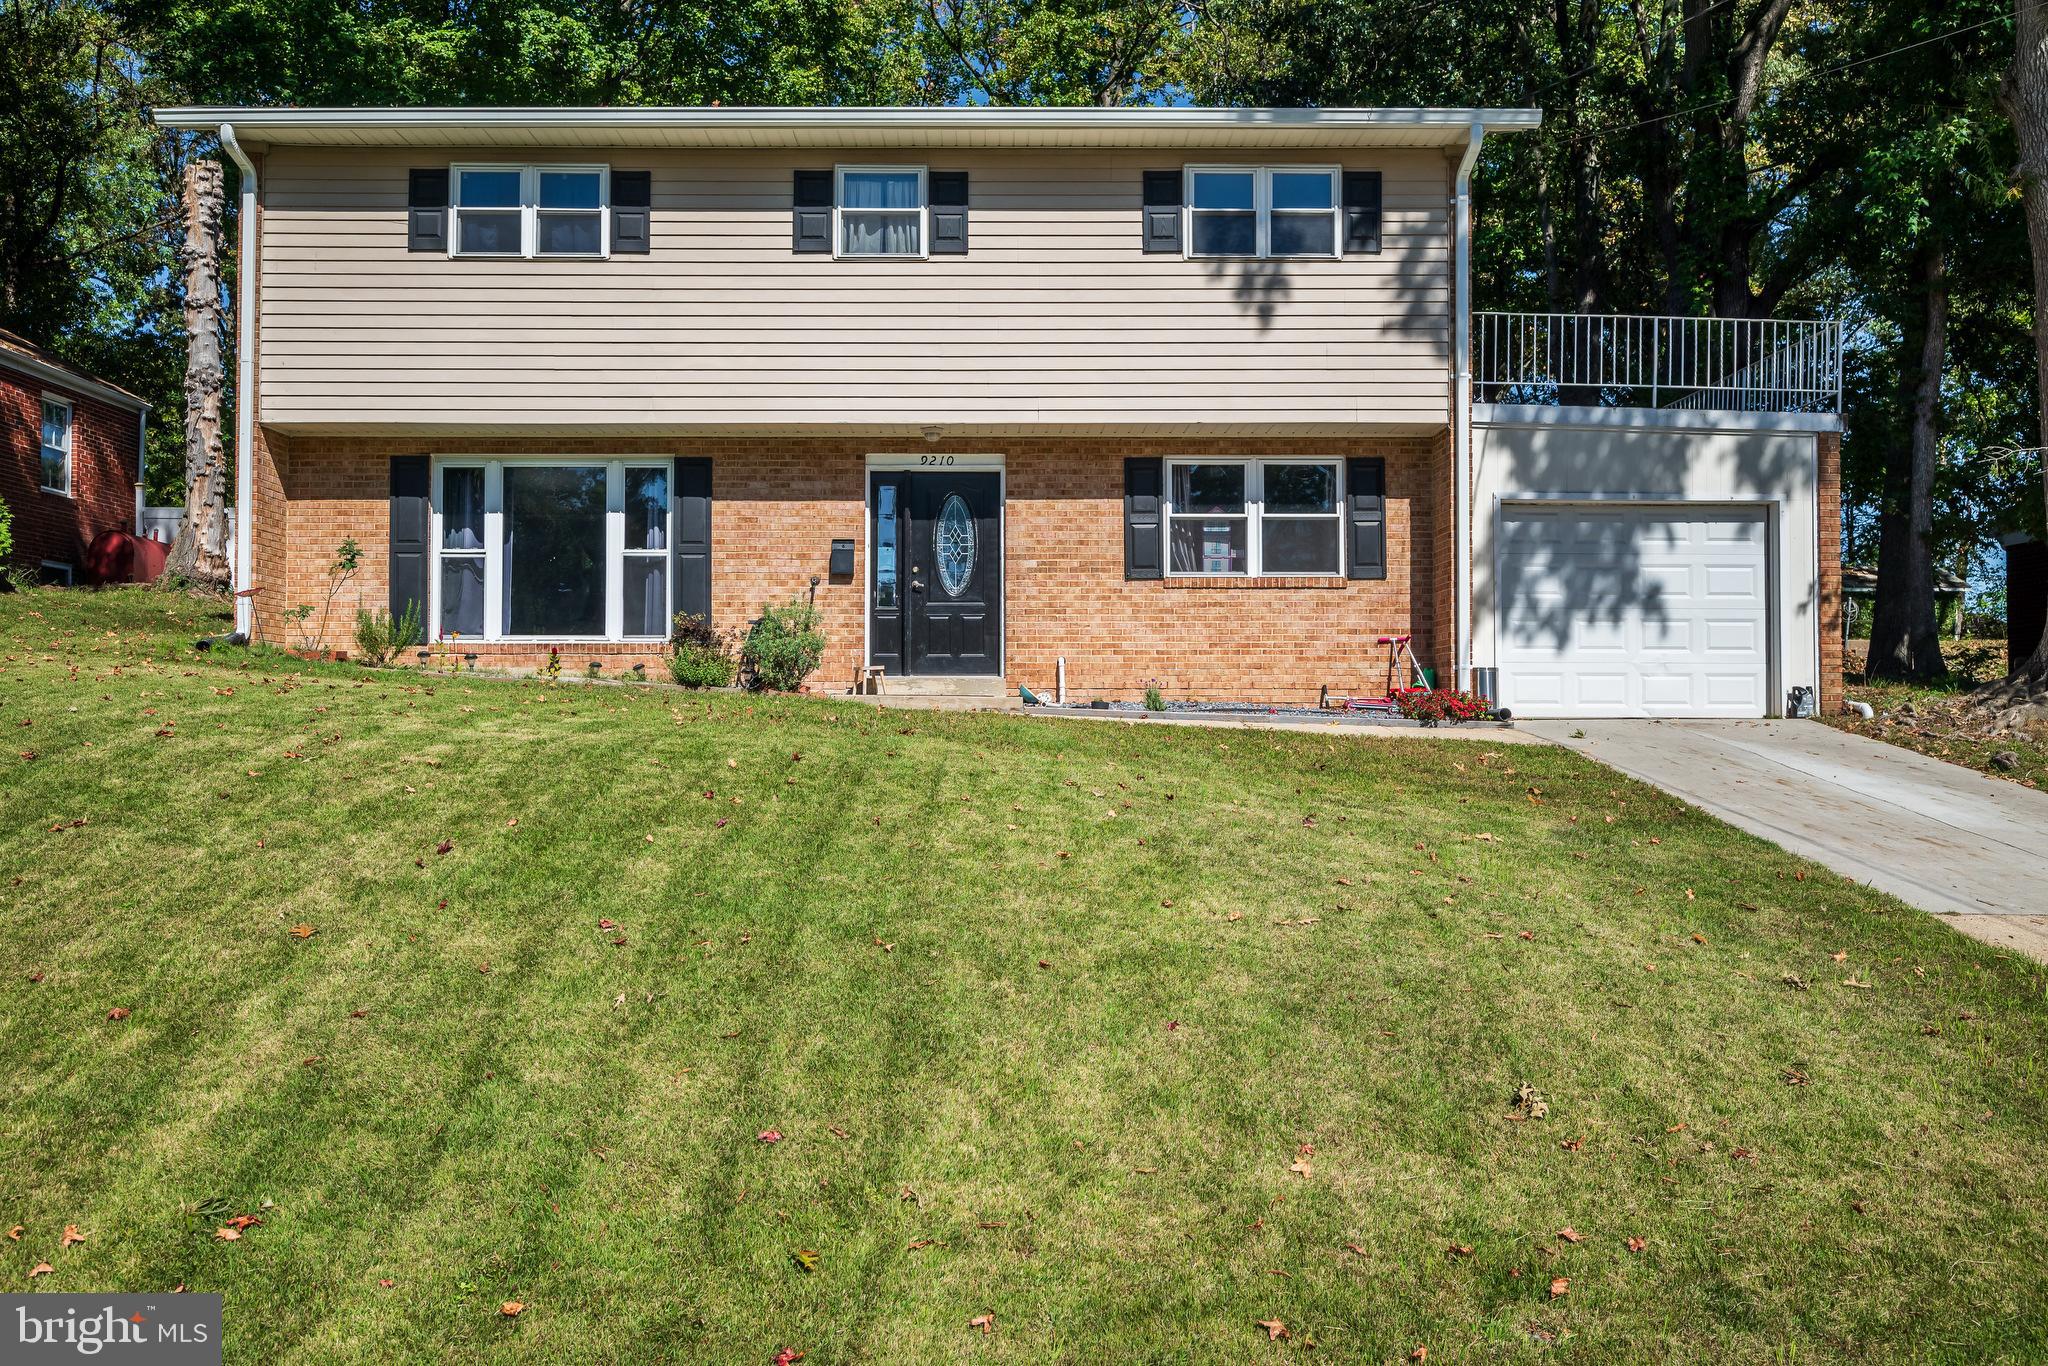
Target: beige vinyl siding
1054,316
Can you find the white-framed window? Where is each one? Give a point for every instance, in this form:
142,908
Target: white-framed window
878,211
1264,211
563,548
1276,517
56,464
503,210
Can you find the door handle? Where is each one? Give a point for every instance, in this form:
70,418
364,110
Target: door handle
917,585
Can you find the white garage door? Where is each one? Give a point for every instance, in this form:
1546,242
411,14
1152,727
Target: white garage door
1633,611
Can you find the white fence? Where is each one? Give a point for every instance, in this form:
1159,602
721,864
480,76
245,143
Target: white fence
1752,365
162,524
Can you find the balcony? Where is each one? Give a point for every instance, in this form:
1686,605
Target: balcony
1621,361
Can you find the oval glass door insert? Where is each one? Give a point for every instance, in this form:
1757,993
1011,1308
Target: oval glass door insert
953,545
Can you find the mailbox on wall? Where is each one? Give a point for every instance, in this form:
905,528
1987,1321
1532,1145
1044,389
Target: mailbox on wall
842,561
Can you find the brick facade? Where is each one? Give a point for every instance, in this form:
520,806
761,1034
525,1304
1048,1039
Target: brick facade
1828,508
105,461
779,501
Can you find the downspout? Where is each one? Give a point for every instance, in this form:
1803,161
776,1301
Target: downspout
245,380
141,464
1461,407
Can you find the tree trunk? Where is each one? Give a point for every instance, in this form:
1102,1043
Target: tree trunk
200,552
2024,95
1905,631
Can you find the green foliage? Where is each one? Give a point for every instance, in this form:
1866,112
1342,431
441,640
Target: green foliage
699,655
6,530
1155,700
379,637
785,646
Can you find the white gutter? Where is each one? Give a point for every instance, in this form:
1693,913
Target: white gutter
1461,410
245,379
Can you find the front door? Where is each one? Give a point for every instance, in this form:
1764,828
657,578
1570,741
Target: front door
936,586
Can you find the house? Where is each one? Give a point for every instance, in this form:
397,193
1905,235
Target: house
73,458
1859,599
1128,397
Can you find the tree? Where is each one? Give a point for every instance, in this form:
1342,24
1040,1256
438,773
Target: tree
2024,96
200,552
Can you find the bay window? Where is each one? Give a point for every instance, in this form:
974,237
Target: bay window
552,549
1253,517
1264,211
529,211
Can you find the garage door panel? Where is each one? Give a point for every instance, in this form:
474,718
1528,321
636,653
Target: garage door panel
1653,610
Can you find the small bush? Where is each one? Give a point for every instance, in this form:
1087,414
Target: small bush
6,530
379,636
699,656
1434,706
785,646
1155,700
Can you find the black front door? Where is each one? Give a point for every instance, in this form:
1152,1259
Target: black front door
936,587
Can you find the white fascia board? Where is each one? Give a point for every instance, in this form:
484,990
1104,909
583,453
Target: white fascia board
1658,419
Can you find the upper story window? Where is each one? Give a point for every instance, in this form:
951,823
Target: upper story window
1254,517
56,446
529,211
880,210
1264,211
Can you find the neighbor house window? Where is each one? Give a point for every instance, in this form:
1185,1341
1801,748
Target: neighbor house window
1263,211
57,445
1265,517
547,549
529,210
880,210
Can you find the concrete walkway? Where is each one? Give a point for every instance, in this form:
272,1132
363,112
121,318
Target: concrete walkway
1936,835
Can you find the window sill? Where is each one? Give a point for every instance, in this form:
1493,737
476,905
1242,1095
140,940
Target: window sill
55,493
1242,583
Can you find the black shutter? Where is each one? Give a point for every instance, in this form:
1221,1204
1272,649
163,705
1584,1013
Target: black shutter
411,529
1361,211
1162,211
948,191
632,212
1144,482
426,210
811,215
693,536
1365,489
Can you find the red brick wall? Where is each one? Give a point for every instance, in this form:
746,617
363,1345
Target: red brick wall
1829,511
779,502
105,458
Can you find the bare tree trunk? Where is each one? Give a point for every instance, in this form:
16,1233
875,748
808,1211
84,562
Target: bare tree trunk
1905,630
2024,94
200,552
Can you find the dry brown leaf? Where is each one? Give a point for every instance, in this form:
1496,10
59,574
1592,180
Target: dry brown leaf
985,1322
1571,1235
512,1309
1302,1167
1840,957
1560,1286
1275,1330
303,931
1460,1249
14,1234
71,1235
118,1013
41,1269
1420,1353
1636,1245
227,1235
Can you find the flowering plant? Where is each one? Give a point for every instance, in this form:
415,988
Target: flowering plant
1434,706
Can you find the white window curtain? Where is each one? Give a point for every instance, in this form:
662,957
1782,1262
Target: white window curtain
882,214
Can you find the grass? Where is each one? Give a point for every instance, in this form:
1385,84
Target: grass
1932,727
1045,1013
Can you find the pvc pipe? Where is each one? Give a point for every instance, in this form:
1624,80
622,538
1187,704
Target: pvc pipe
1060,688
1862,709
1461,409
245,381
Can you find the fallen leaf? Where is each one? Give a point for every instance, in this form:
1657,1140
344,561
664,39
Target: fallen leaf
770,1136
1275,1330
41,1269
14,1234
1636,1245
1571,1235
805,1258
923,1243
71,1235
787,1357
227,1235
1698,938
303,931
1560,1286
1348,1247
514,821
606,925
1302,1167
1420,1353
245,1221
836,1131
1840,957
445,846
512,1309
118,1013
985,1322
1572,1145
1460,1249
387,1283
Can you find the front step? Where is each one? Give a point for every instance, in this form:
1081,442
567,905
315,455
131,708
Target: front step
983,689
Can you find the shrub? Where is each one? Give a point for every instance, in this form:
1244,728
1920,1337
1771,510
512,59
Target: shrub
700,657
1434,706
6,530
1155,700
785,646
379,636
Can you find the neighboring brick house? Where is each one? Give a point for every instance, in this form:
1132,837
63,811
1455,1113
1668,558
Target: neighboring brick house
1172,397
73,458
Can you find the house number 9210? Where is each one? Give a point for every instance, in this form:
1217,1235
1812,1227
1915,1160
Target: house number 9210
935,459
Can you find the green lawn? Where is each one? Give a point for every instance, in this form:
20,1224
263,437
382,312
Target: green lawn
1046,1013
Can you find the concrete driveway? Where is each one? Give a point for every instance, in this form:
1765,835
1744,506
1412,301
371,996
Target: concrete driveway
1941,837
